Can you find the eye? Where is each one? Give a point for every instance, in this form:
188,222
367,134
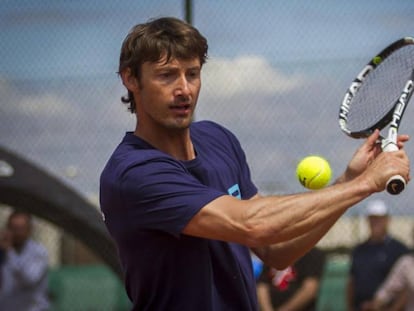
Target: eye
165,74
193,74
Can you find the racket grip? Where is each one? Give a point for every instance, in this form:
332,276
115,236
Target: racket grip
396,184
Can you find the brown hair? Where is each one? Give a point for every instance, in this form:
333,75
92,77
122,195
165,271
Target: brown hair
149,42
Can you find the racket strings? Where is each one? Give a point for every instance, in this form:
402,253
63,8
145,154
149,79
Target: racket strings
380,90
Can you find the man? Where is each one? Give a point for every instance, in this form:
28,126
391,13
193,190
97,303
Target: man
373,259
24,266
177,196
295,288
398,286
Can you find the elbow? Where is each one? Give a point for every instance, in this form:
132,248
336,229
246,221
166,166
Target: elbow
274,257
258,230
281,262
258,235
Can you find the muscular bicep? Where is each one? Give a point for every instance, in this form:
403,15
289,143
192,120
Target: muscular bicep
224,218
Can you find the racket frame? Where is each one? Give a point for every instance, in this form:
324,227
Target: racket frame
393,117
396,183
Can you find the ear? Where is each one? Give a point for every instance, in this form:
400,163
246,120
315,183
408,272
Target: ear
129,80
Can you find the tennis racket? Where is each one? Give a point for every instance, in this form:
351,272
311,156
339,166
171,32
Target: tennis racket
377,99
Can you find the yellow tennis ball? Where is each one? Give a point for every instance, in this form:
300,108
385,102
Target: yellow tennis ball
314,172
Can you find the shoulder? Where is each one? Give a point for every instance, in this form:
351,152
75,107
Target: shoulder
213,133
133,152
360,247
211,127
398,244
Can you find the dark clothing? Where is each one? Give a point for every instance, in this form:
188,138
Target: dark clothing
370,265
284,284
148,197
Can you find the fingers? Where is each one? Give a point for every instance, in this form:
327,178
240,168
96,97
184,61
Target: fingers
387,165
379,166
373,138
401,140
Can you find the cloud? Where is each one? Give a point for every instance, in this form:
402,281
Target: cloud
226,78
43,104
5,87
249,89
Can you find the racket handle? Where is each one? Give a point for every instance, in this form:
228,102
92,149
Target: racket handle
396,184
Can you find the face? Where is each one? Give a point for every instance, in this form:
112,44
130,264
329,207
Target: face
167,94
20,229
378,226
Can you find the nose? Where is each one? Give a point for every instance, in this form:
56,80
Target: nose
182,88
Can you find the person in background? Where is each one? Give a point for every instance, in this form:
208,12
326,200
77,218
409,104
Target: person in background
294,288
398,286
372,260
23,267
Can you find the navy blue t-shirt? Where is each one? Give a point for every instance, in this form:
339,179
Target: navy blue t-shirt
148,197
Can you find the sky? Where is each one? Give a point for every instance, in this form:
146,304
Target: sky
276,73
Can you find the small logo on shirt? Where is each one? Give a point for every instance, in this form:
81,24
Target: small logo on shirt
234,191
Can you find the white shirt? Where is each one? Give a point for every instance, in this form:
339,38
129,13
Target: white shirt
24,284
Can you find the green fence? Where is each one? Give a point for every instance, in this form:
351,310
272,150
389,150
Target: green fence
86,288
332,293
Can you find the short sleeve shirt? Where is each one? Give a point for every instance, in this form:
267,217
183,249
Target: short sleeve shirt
147,198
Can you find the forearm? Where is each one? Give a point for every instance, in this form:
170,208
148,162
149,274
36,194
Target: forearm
260,222
281,255
280,219
263,221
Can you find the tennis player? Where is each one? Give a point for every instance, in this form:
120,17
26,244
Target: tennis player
178,197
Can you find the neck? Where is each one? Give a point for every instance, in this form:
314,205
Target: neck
378,239
176,143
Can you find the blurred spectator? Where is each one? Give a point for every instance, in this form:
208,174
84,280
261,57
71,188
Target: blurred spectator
23,268
373,259
399,284
293,289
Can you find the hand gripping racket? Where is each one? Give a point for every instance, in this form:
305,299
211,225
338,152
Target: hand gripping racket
377,99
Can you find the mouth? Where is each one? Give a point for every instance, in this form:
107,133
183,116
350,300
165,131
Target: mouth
181,108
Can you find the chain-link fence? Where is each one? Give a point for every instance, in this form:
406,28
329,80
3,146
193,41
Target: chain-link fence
276,73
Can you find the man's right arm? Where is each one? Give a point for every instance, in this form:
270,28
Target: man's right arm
301,218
